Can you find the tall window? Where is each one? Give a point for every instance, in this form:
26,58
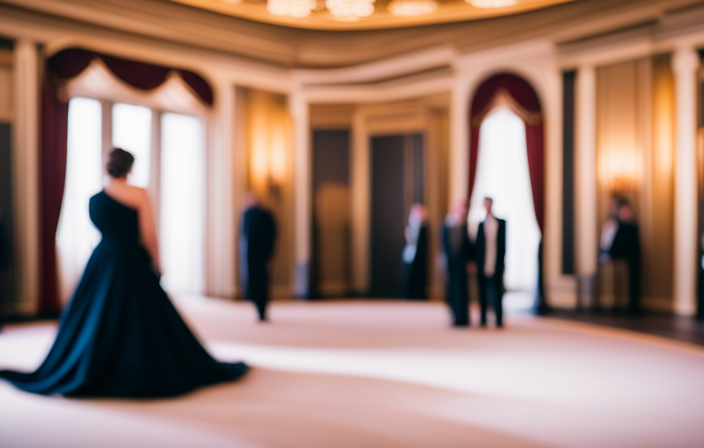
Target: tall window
179,171
76,236
503,175
182,211
132,131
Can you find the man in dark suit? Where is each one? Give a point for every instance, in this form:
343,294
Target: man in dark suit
490,252
621,240
414,260
457,248
257,238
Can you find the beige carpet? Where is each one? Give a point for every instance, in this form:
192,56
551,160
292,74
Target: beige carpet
384,374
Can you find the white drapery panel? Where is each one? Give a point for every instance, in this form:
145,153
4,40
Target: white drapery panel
182,211
76,236
502,174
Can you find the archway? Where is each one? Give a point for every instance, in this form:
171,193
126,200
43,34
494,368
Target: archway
517,99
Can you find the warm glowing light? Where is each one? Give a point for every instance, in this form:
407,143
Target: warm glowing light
411,8
291,8
350,9
269,142
620,167
492,3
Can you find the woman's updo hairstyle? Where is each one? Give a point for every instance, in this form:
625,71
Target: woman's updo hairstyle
119,163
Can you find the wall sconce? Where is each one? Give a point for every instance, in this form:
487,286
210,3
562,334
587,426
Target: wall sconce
620,168
269,138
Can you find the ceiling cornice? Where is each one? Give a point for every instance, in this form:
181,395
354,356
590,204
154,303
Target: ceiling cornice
171,24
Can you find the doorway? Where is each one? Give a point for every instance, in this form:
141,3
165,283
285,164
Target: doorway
503,175
396,184
331,213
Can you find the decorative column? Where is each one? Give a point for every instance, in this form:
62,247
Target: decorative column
26,175
221,231
585,186
360,203
685,63
459,141
298,108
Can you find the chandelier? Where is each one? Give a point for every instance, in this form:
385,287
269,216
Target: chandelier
411,8
492,3
291,8
350,9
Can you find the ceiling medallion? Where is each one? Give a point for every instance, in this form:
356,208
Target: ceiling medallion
412,8
291,8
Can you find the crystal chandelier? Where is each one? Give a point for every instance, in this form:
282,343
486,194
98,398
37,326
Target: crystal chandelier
411,8
350,9
291,8
492,3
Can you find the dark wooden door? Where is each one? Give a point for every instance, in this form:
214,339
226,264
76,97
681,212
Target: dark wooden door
396,182
6,231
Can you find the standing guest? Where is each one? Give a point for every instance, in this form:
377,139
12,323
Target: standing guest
490,250
455,241
120,336
257,238
620,240
414,265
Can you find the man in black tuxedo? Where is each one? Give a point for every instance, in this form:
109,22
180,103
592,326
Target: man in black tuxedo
621,240
490,252
414,259
257,238
457,248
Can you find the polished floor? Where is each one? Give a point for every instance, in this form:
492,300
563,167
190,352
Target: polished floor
678,328
385,374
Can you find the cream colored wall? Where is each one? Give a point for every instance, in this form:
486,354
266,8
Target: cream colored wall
658,273
635,140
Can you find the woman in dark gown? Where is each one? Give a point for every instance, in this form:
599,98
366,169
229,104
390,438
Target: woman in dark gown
120,336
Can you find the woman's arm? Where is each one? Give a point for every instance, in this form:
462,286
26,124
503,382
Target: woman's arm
147,230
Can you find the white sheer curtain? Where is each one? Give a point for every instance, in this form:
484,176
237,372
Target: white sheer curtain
131,131
502,174
182,214
76,236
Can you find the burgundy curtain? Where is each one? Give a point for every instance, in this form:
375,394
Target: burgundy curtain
524,95
62,67
69,63
53,173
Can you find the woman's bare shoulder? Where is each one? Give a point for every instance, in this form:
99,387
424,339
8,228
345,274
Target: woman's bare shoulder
132,196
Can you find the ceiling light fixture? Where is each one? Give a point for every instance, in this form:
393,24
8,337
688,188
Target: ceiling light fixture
291,8
350,9
412,8
492,3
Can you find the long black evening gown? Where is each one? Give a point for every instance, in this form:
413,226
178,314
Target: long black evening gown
120,336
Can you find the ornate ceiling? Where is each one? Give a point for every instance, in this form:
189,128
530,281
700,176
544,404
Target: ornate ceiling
367,14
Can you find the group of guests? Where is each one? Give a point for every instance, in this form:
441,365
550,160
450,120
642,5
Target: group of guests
485,258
